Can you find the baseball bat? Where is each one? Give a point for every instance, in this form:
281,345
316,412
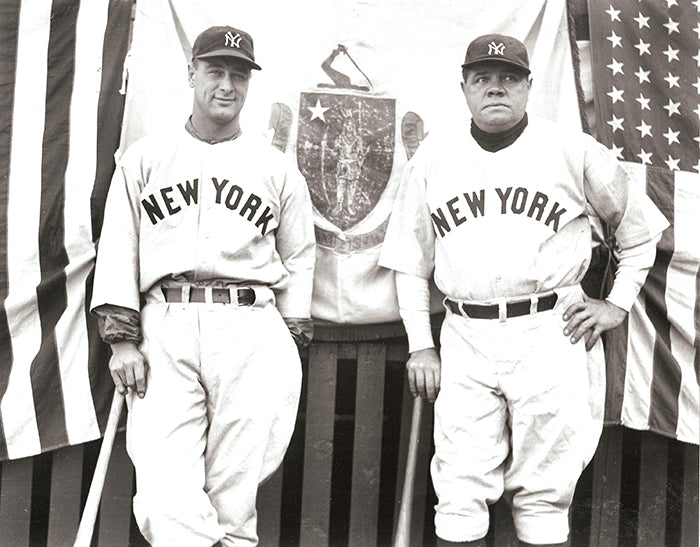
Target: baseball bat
402,536
92,504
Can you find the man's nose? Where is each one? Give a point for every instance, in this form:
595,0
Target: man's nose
226,83
496,89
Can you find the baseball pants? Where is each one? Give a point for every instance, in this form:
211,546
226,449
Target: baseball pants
219,411
519,412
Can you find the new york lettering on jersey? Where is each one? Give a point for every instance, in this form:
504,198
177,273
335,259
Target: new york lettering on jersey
170,200
534,204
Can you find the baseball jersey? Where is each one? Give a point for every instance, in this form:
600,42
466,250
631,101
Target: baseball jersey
514,222
237,211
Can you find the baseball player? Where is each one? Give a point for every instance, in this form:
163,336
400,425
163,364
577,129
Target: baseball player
499,215
202,286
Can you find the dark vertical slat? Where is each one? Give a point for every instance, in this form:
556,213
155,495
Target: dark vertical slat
689,498
318,446
115,508
605,502
15,501
502,524
425,452
653,471
367,449
269,506
66,484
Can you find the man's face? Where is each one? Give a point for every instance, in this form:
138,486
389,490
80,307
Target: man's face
220,88
496,94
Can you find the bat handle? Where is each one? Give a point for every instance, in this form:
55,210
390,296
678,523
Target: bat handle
92,504
403,527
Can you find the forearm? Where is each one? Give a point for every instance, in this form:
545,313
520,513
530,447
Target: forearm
414,308
632,270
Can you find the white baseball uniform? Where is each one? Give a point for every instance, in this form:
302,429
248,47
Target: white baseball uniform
223,379
520,408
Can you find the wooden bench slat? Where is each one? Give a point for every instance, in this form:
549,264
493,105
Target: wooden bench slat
605,496
15,501
66,485
113,526
653,472
318,445
689,496
367,449
269,507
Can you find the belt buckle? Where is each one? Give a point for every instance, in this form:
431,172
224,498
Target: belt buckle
238,296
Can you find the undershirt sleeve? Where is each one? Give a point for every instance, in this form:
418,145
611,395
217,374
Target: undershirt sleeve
632,269
414,308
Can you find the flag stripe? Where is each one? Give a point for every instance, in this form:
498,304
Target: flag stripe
53,258
111,105
80,175
640,349
616,360
666,378
682,297
18,413
9,15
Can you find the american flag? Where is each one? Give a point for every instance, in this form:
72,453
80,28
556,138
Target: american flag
646,75
646,58
60,115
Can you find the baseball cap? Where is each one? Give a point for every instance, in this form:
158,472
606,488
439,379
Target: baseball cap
497,47
225,42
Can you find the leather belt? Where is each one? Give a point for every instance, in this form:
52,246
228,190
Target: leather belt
242,296
490,311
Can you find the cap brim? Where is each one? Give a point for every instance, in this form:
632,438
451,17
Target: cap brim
229,53
497,60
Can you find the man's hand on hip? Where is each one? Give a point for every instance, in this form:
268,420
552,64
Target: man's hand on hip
423,367
590,318
128,368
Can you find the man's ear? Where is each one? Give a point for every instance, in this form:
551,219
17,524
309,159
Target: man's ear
190,74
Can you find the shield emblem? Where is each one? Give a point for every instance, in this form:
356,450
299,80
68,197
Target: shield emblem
345,149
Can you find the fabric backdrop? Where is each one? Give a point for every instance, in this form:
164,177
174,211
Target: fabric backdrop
410,52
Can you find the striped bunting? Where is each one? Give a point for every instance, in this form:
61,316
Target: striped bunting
645,63
653,358
60,114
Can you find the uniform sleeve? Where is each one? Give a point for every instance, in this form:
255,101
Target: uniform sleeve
409,245
618,199
117,267
637,223
296,246
117,324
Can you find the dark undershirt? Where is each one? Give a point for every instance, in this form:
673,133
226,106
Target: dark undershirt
493,142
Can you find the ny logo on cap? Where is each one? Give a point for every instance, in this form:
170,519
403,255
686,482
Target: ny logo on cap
496,49
233,41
